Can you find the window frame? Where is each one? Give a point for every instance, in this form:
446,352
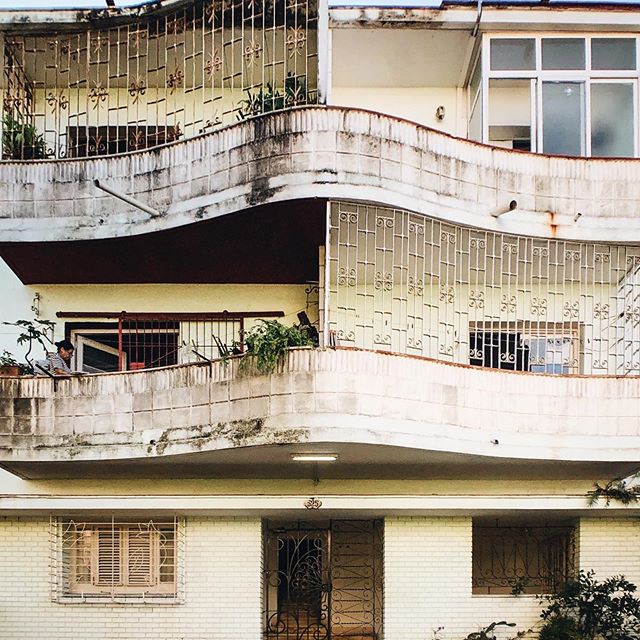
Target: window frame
538,76
81,564
530,329
513,582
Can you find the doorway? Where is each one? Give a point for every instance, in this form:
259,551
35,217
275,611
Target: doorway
323,580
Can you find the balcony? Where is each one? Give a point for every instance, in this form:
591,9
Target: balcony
379,413
316,152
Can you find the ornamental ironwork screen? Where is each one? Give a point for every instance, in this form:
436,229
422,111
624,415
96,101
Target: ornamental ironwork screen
114,559
536,559
405,283
323,580
164,76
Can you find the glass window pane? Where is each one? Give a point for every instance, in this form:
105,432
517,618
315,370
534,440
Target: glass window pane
475,79
475,123
563,53
613,53
513,54
563,118
612,131
510,113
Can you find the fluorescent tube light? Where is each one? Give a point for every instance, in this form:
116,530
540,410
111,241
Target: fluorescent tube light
314,457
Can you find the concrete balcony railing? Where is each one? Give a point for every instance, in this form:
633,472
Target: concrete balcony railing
341,397
324,152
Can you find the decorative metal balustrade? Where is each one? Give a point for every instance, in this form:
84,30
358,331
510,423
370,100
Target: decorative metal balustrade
404,283
521,559
165,76
134,341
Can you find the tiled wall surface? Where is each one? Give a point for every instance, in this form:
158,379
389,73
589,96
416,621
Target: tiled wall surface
222,589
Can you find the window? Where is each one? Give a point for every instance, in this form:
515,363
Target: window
560,95
146,340
116,559
522,559
99,141
551,351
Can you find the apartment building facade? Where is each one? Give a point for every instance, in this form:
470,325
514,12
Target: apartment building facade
447,195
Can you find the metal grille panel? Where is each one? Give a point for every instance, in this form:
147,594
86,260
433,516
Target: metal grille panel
405,283
522,559
323,580
161,78
114,559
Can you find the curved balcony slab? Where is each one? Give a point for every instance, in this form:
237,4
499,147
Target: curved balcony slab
322,152
322,399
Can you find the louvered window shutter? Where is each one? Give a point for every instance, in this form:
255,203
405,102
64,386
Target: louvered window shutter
108,570
142,559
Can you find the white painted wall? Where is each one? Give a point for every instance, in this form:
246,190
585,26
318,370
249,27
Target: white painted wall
17,299
15,303
428,575
417,104
222,596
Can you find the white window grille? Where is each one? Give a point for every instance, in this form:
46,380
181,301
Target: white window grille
117,560
406,283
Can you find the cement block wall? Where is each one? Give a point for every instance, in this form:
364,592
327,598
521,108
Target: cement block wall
322,152
321,396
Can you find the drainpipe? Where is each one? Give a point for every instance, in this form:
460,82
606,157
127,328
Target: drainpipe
474,33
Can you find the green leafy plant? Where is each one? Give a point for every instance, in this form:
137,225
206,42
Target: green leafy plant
487,633
7,360
268,342
21,141
268,99
587,609
559,627
617,490
31,332
519,586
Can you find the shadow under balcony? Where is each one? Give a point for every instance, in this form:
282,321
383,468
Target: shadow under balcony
383,415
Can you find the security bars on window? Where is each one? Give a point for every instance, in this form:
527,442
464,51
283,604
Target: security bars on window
165,76
520,559
404,283
133,560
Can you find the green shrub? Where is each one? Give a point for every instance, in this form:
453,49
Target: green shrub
587,609
269,341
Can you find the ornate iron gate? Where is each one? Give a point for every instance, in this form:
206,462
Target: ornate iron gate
323,581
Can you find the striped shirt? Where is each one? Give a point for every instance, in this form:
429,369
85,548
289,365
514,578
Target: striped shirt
56,362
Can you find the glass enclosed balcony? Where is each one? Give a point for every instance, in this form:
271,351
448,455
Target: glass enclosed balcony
559,95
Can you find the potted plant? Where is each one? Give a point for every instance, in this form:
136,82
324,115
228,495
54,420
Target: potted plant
9,365
268,342
33,331
21,141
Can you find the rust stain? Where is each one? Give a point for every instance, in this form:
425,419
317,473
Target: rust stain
553,227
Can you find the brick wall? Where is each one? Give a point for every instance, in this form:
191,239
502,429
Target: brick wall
428,575
222,594
427,583
610,546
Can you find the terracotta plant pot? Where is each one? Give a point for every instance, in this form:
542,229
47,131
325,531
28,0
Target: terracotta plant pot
9,370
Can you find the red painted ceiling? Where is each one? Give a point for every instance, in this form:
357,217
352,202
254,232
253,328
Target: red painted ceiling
270,244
